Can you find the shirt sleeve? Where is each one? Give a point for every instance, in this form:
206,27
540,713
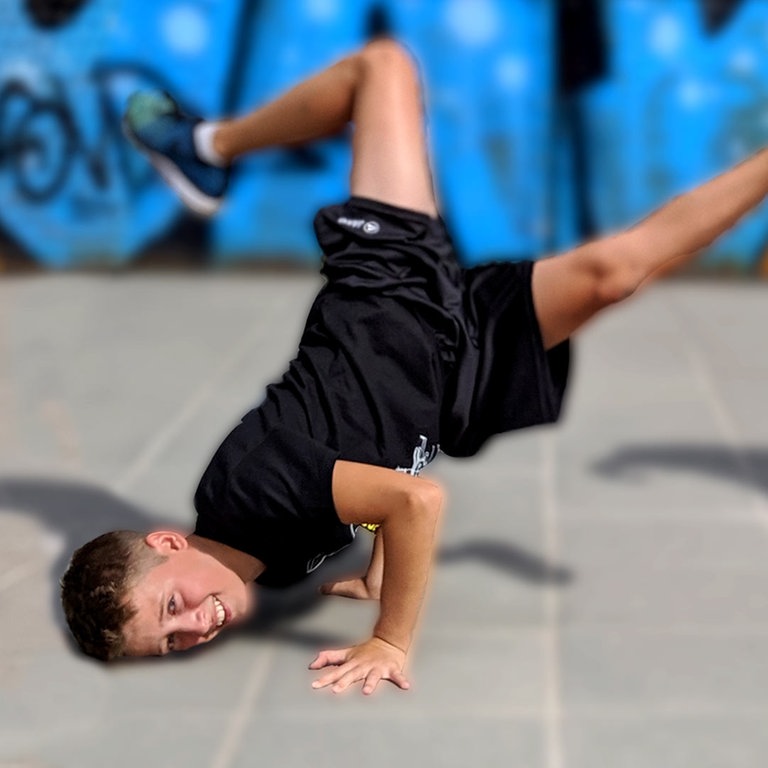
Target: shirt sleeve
277,504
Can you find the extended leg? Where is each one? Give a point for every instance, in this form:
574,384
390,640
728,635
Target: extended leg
569,289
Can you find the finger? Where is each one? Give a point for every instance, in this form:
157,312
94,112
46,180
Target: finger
329,658
348,678
332,677
400,680
371,682
322,682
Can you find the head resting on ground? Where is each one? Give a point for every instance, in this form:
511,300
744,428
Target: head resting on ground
135,594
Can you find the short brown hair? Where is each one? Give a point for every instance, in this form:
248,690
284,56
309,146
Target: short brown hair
95,587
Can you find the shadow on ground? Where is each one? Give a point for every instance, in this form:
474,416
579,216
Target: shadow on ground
75,512
741,466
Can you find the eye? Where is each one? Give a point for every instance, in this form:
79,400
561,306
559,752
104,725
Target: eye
171,642
172,606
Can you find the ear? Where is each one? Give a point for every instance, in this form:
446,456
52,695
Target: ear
166,542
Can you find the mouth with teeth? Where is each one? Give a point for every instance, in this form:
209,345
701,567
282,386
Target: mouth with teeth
220,612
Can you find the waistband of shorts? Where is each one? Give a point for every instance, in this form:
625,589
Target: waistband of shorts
378,206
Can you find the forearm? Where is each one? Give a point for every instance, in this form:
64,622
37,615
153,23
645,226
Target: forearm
409,539
375,573
408,511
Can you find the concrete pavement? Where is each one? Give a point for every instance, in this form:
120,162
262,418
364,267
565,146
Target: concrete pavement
601,593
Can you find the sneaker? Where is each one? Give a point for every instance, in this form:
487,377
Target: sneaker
162,132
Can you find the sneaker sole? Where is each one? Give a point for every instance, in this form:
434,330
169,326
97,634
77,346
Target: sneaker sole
191,196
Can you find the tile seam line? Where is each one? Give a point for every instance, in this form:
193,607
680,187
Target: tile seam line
162,439
708,387
18,573
553,715
233,735
7,414
662,628
613,713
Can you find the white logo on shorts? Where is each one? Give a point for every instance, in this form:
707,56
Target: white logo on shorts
423,453
369,227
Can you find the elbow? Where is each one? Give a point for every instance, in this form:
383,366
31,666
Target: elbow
418,507
427,501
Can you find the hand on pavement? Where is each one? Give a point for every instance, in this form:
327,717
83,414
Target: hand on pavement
371,662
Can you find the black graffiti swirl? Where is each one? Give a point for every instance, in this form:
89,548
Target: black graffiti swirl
40,139
37,139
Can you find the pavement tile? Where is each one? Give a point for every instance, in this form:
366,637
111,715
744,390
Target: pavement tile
740,394
609,571
47,694
454,672
505,511
503,587
674,742
609,669
645,597
432,741
655,488
170,740
64,690
34,625
624,542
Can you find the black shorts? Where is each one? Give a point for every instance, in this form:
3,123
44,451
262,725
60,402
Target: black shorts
497,375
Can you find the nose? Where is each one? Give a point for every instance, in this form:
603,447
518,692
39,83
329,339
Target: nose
194,623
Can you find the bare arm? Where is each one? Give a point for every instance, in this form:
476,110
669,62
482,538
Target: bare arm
365,587
408,510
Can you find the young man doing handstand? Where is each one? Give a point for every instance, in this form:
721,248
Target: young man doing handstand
403,351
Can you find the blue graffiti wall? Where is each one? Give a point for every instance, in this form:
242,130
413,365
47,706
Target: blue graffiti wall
698,104
529,156
72,190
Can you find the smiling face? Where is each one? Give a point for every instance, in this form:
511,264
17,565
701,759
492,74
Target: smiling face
185,601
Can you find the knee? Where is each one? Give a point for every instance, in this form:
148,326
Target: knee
387,56
612,271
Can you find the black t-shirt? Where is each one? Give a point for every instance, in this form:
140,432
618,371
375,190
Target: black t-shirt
366,387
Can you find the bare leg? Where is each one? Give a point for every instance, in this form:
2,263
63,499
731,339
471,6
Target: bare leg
571,288
378,90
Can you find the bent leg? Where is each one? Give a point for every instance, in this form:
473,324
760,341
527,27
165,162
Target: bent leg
378,90
571,288
390,156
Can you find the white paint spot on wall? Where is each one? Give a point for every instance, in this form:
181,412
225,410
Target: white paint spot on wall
473,22
512,73
693,94
321,10
666,35
185,30
743,61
